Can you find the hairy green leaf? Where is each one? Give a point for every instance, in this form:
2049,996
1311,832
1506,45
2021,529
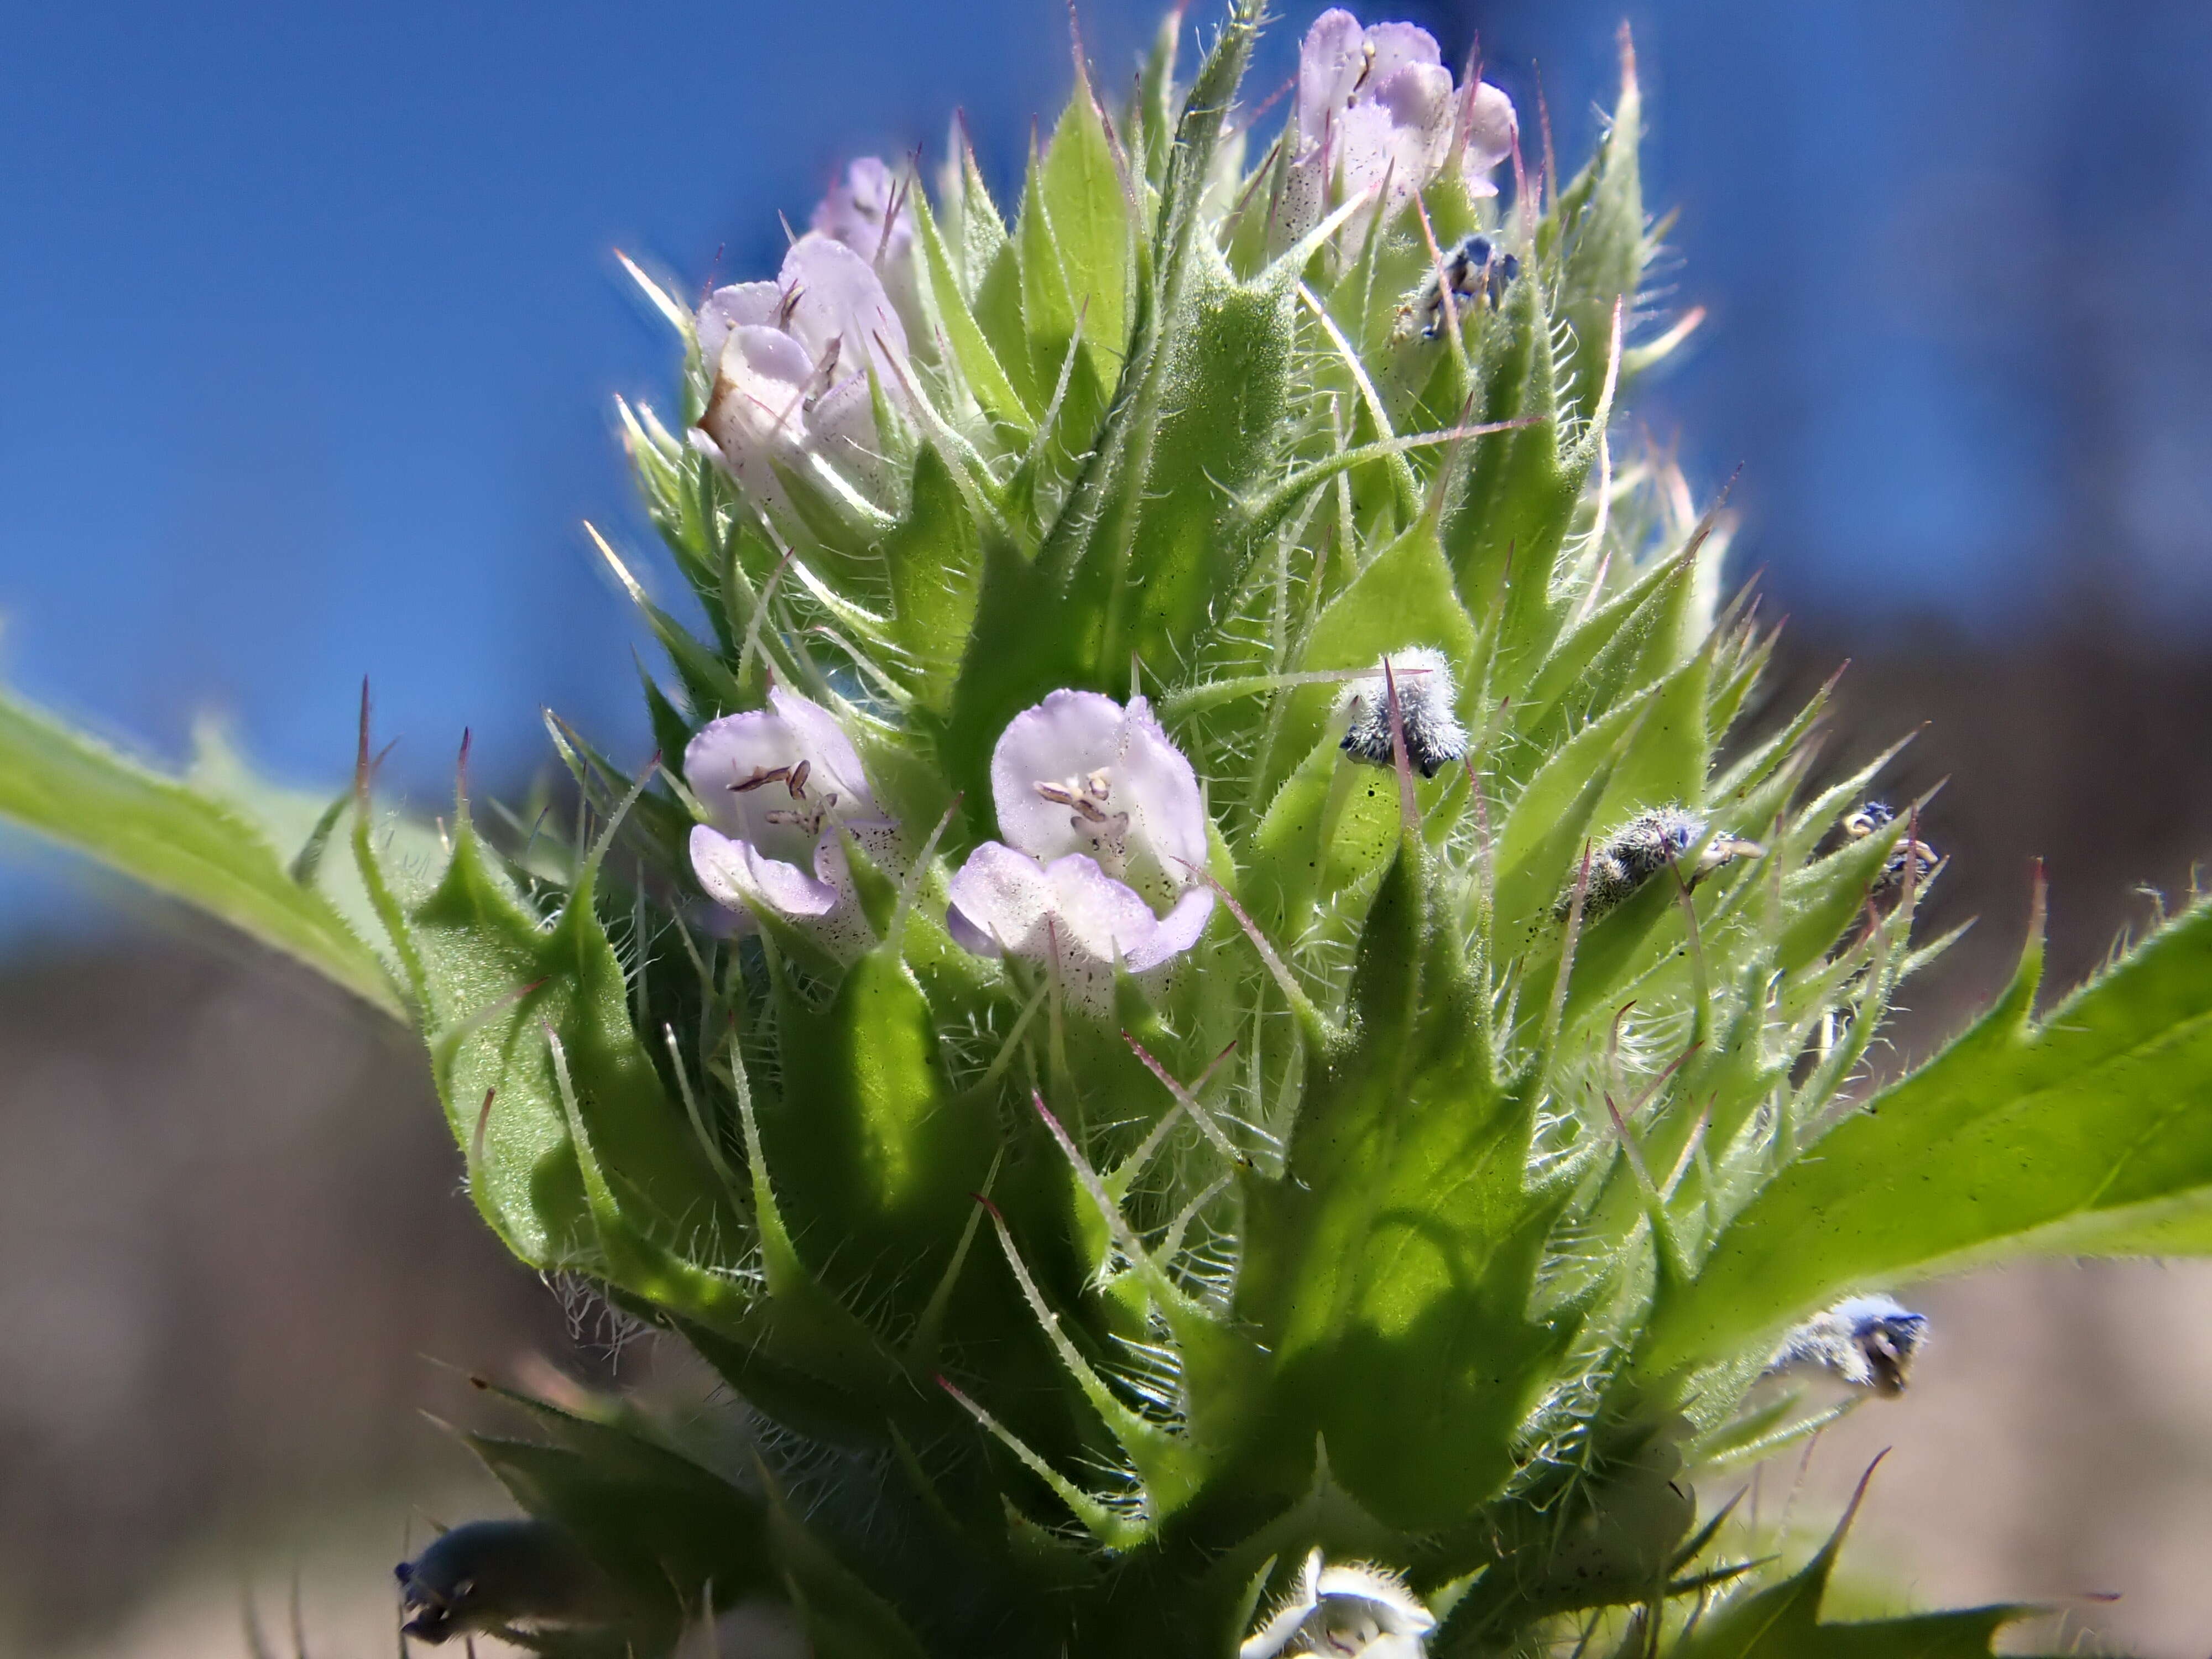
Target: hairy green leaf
181,841
496,985
1395,1257
2084,1133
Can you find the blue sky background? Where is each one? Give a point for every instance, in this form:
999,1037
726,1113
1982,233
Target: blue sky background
310,322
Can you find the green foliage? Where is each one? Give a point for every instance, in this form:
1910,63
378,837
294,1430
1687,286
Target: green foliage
231,847
1353,1276
2078,1133
1441,1206
1782,1621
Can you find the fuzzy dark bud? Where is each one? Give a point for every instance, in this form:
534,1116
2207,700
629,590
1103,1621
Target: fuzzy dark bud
1434,737
1917,856
1870,1341
1641,848
496,1576
1474,271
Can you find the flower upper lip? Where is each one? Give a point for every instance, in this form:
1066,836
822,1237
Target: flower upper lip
1078,773
863,210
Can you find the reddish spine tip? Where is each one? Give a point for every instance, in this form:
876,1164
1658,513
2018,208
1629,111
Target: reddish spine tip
361,754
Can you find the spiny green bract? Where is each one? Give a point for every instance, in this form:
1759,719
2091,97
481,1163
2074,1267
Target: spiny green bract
1424,1212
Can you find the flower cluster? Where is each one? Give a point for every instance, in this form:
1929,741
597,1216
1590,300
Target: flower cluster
1102,819
1344,1234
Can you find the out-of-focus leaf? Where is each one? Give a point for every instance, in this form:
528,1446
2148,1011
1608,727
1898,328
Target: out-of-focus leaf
1602,213
1089,211
844,1619
1052,313
666,1532
208,852
308,830
936,564
1783,1622
979,365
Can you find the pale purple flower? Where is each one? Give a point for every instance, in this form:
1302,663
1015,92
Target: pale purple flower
859,211
1104,826
791,361
870,213
1081,773
779,786
1377,104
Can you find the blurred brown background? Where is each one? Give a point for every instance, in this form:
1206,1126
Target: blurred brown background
233,1239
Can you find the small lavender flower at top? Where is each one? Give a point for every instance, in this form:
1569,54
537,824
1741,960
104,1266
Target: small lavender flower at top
1434,737
1103,824
1870,1341
1640,849
1356,1611
863,211
1376,104
791,361
778,785
869,212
